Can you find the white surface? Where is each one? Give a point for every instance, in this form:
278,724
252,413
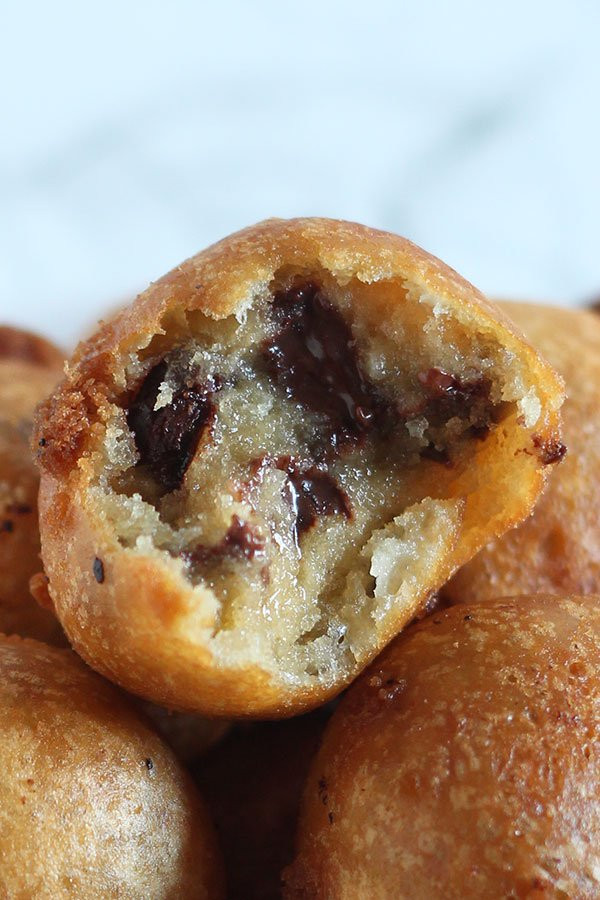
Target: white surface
137,132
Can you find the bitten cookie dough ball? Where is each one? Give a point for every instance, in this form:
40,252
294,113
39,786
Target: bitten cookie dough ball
557,549
30,367
464,763
266,464
92,804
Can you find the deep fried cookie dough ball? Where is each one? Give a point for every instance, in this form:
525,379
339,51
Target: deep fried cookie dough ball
464,763
266,464
92,803
557,549
29,369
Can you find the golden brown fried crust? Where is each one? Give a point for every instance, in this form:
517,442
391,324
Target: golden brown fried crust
557,549
92,804
29,369
128,624
464,762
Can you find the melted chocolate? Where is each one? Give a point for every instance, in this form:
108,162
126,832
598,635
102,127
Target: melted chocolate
449,396
438,456
313,358
313,492
241,541
442,386
167,438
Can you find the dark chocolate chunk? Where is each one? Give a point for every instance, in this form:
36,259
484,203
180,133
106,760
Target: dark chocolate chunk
241,541
449,396
313,492
98,570
441,385
439,456
549,450
149,763
167,438
313,358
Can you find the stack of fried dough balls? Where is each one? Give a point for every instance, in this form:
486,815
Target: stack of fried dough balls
252,479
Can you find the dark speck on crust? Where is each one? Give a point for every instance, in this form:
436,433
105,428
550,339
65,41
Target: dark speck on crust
98,570
548,451
19,509
7,525
42,442
322,787
149,763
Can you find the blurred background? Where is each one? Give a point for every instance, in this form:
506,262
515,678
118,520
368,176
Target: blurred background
135,133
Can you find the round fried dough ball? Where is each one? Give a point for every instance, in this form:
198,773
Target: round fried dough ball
464,763
29,369
92,803
557,549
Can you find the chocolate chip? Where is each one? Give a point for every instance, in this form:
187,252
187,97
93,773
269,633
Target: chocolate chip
440,384
241,541
439,456
549,450
314,360
149,763
310,490
313,492
42,442
167,438
98,570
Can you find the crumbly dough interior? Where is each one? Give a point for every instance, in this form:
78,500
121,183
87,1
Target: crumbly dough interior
303,538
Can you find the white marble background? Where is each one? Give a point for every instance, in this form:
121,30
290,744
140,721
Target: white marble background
134,133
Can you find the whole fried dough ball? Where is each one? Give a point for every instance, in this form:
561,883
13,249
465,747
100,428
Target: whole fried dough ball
92,803
29,369
464,763
266,464
558,548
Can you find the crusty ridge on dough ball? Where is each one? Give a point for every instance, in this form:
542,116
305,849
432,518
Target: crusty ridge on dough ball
557,549
30,368
92,803
254,476
464,763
